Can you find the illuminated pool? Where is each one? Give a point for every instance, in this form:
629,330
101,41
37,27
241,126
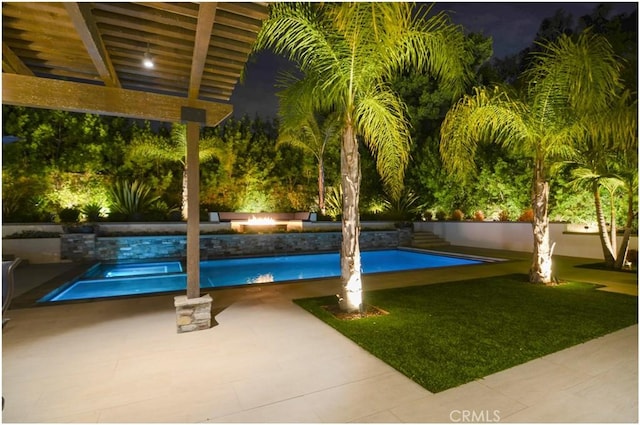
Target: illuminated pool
114,280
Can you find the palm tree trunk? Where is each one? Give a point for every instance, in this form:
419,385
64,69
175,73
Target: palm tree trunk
614,231
624,245
607,250
351,297
185,209
321,185
540,271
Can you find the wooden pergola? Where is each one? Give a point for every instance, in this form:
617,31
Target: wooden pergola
88,57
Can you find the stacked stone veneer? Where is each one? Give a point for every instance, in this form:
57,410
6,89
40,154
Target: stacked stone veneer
89,247
193,314
78,247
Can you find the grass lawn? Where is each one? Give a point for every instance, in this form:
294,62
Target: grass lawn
447,334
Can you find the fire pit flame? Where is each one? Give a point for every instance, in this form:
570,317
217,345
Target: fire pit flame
262,221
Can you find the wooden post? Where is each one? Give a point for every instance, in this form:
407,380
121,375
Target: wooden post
193,202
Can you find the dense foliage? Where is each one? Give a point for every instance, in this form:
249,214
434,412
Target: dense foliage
66,161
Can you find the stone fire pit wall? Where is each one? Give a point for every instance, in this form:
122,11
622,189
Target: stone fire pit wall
92,248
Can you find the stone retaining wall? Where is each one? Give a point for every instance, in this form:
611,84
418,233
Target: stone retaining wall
90,248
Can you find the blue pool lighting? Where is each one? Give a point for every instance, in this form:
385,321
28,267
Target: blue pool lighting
113,280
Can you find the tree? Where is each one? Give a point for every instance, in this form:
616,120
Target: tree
607,157
427,104
148,145
348,53
566,82
304,128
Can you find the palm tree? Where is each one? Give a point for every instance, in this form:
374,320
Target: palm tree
303,128
607,157
567,81
174,149
348,53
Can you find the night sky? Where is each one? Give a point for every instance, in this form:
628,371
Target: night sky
513,26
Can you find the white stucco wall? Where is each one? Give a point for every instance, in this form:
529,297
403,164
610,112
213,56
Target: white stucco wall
516,236
36,251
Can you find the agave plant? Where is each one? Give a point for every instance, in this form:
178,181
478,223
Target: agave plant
404,206
333,202
131,199
92,212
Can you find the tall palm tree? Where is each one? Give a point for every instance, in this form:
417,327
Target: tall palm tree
304,128
567,81
607,157
348,53
174,149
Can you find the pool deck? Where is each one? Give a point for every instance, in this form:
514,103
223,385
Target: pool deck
267,360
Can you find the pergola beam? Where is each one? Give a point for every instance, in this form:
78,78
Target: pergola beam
206,17
80,14
22,90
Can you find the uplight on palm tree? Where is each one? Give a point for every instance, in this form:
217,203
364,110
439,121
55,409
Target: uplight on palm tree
348,53
568,81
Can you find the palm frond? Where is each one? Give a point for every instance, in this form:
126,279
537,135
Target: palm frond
380,119
154,147
213,147
298,120
299,32
584,74
557,143
436,46
487,116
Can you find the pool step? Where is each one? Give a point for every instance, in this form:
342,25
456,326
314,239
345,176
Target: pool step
427,240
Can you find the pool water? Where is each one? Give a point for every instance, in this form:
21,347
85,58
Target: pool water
113,280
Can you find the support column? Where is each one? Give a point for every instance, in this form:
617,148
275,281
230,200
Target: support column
193,312
193,206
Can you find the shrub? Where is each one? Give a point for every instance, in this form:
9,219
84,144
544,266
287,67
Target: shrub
427,215
441,215
161,211
527,215
457,215
69,215
478,216
504,215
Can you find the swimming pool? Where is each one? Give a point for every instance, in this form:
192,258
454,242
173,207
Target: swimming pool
114,280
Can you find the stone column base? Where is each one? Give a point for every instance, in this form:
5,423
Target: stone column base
193,314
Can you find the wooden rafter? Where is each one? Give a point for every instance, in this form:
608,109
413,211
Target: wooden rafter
80,14
206,16
12,63
199,48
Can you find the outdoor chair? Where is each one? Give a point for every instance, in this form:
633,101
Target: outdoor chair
8,267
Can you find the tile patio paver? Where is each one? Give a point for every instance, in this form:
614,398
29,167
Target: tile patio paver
267,360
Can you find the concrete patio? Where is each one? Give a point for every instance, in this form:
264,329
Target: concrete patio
267,360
